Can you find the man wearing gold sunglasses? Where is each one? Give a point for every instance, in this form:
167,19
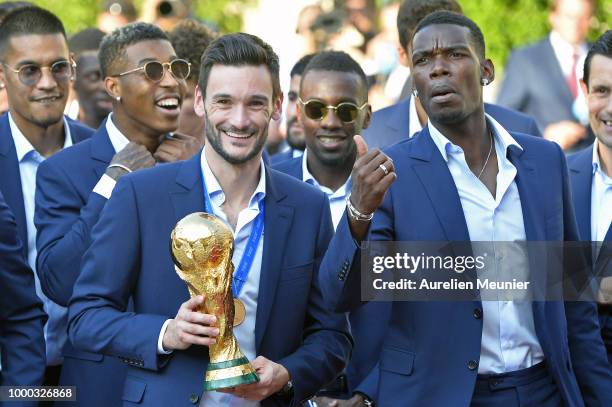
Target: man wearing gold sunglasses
332,107
147,83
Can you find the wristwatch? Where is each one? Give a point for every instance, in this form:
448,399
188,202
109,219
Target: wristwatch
286,393
367,401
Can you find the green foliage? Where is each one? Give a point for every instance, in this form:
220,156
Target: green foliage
507,24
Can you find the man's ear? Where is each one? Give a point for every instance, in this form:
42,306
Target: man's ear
112,87
368,117
198,102
584,87
278,107
487,71
404,59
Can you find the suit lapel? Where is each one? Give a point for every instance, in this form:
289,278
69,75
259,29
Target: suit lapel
101,150
278,219
440,187
581,170
10,179
187,195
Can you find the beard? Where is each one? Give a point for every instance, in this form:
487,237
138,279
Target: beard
295,141
214,139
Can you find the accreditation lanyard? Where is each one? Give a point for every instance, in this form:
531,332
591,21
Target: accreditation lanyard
244,267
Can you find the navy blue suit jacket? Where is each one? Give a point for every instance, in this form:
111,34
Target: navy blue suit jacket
428,344
22,342
581,177
10,181
392,124
293,327
368,322
66,210
280,157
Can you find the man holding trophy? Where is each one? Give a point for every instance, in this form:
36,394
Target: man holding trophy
250,262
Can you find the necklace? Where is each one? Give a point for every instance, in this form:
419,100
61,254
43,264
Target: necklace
488,156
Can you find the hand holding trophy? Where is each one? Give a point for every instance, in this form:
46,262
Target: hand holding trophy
202,247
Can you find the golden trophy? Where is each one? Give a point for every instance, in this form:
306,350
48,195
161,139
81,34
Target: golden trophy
202,247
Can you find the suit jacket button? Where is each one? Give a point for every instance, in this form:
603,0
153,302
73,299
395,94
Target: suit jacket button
472,365
477,313
193,398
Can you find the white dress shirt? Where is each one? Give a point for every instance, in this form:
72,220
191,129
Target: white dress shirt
337,199
601,199
245,332
564,52
509,341
414,123
29,159
106,184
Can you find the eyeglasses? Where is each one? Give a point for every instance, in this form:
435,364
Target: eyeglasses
346,111
30,74
155,70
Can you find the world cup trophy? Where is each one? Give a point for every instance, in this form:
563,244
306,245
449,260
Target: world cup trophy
202,247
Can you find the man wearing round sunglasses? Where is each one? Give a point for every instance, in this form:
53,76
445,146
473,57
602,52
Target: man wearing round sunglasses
147,83
295,345
332,108
35,70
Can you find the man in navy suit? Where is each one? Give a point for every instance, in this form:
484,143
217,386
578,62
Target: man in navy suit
295,133
36,70
541,79
591,169
404,119
22,343
74,185
295,344
334,79
465,178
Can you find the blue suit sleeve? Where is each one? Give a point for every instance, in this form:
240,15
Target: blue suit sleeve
587,351
98,318
369,385
327,343
340,273
22,342
63,222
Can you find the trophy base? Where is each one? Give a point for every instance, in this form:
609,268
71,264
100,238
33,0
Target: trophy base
230,373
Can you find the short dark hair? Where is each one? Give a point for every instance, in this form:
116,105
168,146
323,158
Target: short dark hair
190,39
10,6
603,46
85,40
413,11
27,21
449,17
337,61
239,49
113,45
300,65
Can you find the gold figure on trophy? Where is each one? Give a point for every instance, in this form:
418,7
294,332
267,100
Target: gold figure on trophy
202,247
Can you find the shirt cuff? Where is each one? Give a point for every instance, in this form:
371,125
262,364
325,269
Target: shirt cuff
160,346
105,186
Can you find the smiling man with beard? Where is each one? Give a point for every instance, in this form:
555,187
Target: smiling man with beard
36,70
147,82
295,345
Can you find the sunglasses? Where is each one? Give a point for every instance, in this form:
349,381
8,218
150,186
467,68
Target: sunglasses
155,70
346,111
30,74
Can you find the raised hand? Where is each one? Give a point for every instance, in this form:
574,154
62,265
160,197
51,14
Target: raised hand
133,157
178,147
373,173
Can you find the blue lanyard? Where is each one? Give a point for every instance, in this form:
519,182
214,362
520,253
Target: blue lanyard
246,262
